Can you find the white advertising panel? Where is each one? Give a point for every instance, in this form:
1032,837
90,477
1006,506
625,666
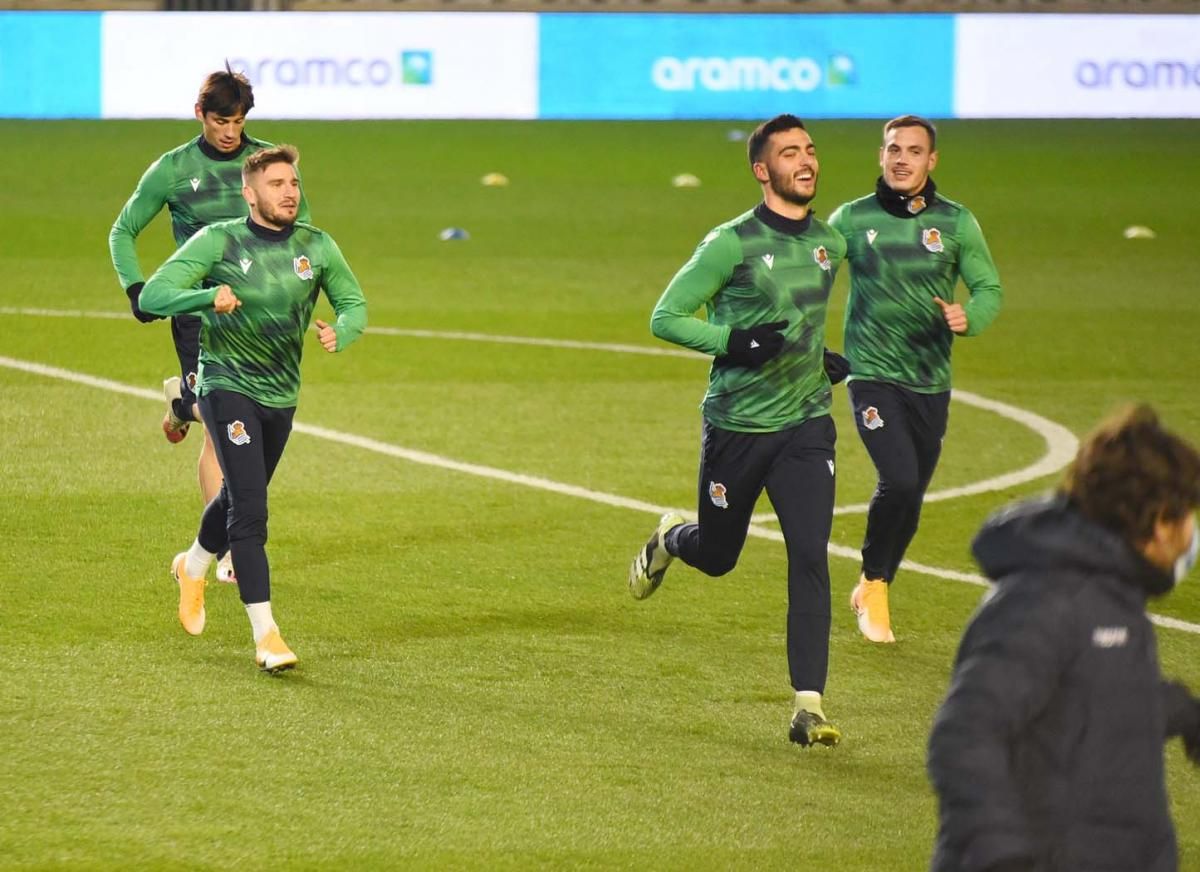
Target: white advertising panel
325,65
1077,66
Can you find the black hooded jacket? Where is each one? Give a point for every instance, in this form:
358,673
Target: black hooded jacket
1048,748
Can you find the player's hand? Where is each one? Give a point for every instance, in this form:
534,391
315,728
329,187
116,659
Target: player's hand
756,345
955,315
226,301
134,292
326,335
836,367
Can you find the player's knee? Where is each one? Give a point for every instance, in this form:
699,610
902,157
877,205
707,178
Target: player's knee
717,565
248,524
903,489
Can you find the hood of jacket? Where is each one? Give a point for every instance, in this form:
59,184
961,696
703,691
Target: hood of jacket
1048,535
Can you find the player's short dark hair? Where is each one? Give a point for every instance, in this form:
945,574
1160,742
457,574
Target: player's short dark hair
913,121
1130,472
226,93
263,158
757,142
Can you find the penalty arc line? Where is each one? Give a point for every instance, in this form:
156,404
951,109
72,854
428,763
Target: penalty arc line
489,472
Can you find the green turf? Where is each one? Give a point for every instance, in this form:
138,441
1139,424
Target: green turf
477,689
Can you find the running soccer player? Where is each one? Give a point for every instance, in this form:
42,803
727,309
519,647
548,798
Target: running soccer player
254,283
907,246
764,279
199,183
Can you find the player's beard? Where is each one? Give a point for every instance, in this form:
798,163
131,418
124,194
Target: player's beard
277,216
782,186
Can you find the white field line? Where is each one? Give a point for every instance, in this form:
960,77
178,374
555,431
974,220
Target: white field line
427,459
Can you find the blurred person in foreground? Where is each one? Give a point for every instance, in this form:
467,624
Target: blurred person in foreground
254,282
1047,753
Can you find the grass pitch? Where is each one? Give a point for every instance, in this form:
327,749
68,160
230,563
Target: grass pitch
476,687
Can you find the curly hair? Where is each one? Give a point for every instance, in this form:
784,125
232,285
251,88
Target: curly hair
1130,472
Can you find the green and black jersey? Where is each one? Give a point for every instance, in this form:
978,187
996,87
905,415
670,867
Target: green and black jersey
758,268
198,184
255,350
900,259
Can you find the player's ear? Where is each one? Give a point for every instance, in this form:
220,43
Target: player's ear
760,171
199,113
933,156
248,195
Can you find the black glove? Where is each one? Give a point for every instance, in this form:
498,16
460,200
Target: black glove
755,346
133,292
836,367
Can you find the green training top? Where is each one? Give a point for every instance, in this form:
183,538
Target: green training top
758,268
255,350
199,186
894,331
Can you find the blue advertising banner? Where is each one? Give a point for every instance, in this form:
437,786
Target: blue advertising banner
634,65
49,64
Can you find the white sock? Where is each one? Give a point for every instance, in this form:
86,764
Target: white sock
810,701
198,561
261,621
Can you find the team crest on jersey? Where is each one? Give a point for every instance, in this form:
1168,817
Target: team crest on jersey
190,381
916,204
716,493
871,419
237,433
932,239
302,267
821,256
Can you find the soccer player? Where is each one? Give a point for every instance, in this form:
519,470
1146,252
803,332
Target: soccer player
200,183
764,280
1047,753
254,282
907,246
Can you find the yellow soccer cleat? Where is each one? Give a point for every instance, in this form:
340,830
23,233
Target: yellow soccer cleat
191,596
272,654
870,602
651,562
809,728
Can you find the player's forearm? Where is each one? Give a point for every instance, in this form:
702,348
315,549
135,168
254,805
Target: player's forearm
689,331
124,255
351,322
163,296
982,308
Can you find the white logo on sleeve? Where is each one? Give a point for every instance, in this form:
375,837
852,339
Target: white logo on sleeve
754,343
1110,637
246,263
871,234
830,462
195,184
769,260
